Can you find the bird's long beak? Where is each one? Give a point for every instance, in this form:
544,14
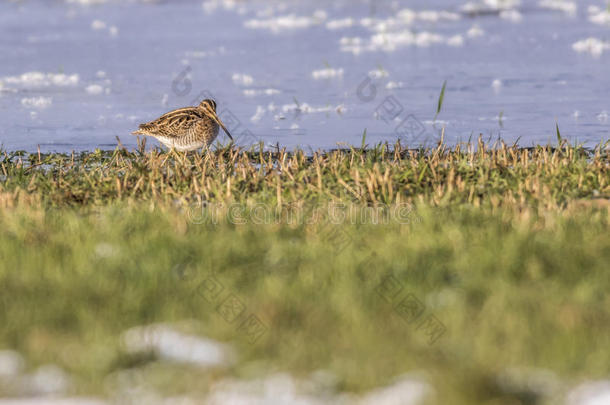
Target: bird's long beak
219,122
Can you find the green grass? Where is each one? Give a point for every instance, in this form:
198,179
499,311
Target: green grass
507,248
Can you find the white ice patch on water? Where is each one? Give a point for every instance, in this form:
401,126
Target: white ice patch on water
391,41
287,22
293,110
170,344
594,46
408,16
378,73
94,89
211,6
308,109
98,25
599,16
260,112
497,85
489,6
475,31
405,19
37,102
242,79
593,9
456,40
567,6
392,33
432,15
502,4
32,80
327,73
340,24
196,54
394,85
421,39
263,92
511,15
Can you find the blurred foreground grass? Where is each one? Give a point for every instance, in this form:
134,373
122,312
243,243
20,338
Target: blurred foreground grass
460,264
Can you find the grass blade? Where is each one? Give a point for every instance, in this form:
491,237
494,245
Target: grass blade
440,100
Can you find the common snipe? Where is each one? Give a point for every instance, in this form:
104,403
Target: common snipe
186,128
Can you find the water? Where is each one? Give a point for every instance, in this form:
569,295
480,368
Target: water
513,70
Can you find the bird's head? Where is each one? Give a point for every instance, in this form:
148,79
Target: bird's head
209,106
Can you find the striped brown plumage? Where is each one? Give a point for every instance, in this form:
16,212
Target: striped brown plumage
186,129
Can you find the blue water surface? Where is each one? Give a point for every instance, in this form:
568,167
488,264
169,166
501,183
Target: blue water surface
512,71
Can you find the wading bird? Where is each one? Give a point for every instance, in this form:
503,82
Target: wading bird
186,129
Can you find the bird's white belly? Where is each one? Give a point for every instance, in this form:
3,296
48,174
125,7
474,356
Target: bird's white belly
171,143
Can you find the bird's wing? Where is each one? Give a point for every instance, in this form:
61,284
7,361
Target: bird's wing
174,123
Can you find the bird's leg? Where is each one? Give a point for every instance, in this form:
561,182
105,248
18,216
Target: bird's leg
184,157
170,153
179,157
